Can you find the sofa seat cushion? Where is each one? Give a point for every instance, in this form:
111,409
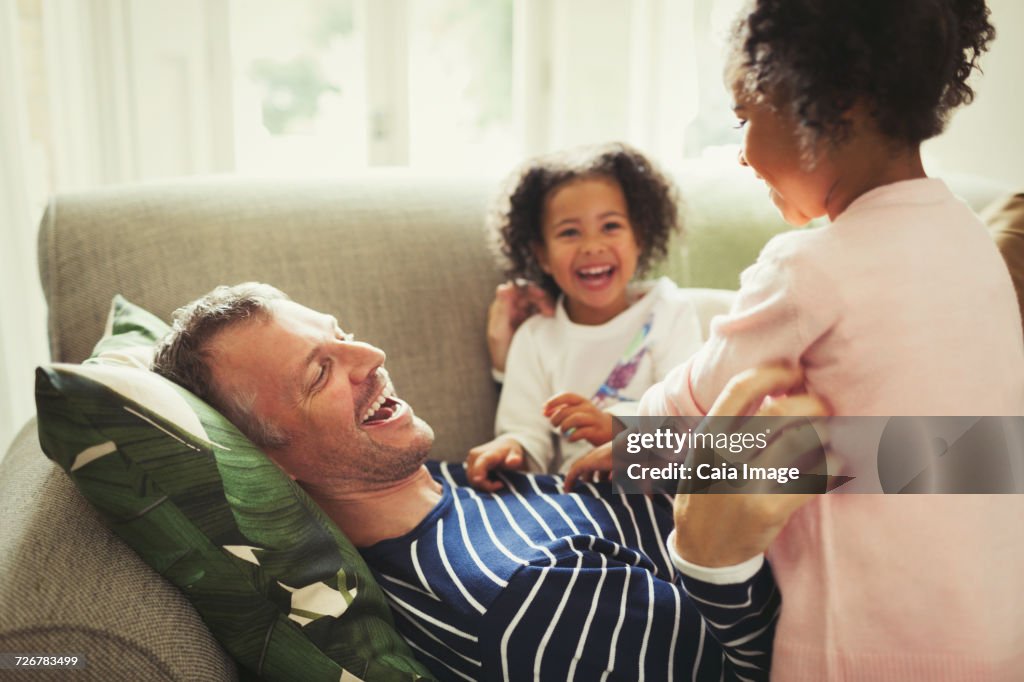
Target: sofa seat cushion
275,581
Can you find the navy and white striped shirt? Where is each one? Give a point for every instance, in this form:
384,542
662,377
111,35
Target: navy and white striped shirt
531,583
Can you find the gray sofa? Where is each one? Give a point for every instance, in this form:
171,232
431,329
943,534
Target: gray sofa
403,261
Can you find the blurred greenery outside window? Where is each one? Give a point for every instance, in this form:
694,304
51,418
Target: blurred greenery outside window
301,77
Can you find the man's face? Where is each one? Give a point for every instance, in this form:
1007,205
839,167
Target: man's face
329,394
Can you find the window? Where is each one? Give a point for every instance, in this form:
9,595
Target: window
299,88
327,86
460,84
711,132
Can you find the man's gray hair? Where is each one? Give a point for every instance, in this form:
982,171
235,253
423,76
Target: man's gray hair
183,355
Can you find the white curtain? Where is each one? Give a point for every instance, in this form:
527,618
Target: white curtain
22,312
129,91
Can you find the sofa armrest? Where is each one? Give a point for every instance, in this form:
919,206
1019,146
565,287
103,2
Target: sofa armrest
70,586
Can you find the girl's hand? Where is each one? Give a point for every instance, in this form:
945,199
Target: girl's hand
502,453
727,529
595,465
513,303
578,418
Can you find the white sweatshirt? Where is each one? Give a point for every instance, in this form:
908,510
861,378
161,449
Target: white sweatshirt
551,355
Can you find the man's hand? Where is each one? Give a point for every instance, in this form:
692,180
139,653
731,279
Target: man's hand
578,418
513,303
595,464
727,529
501,453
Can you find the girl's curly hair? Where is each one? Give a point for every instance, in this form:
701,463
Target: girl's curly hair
515,220
908,60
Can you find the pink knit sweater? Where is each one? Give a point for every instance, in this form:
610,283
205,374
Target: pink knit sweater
902,306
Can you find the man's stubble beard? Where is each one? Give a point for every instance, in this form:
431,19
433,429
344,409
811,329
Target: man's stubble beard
382,464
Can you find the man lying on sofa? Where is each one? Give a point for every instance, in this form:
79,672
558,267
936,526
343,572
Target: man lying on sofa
525,583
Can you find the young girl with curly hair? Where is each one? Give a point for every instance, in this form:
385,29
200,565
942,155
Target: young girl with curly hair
581,225
899,305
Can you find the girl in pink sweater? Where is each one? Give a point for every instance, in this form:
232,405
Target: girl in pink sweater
900,305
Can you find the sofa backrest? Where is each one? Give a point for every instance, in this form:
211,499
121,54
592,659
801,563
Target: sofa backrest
402,260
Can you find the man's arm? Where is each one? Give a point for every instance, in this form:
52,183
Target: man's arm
719,540
740,605
716,530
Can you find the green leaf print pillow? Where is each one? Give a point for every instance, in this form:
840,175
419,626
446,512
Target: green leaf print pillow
277,583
